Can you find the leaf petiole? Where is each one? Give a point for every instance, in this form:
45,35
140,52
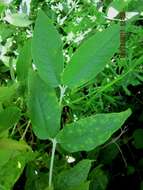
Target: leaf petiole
54,142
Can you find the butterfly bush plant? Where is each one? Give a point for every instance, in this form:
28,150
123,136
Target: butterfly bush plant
49,82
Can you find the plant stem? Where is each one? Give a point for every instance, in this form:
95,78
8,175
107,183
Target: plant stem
62,92
11,70
25,130
54,142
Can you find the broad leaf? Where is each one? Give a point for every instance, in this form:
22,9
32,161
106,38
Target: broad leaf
43,108
47,50
8,117
72,178
24,62
91,57
86,134
18,19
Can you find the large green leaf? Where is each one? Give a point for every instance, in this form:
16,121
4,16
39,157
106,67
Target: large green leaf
43,108
8,117
47,50
24,62
86,134
74,177
91,57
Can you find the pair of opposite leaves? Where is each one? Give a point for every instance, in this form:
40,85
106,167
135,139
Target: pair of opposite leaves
89,59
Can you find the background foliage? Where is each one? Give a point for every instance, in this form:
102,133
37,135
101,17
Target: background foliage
24,158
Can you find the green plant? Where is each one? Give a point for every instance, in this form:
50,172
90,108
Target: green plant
45,102
64,92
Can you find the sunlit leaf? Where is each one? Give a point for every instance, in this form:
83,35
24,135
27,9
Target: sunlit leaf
91,57
47,50
88,133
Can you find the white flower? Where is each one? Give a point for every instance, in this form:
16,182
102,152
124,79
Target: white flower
34,67
75,117
59,6
79,37
78,19
99,28
72,4
92,18
87,31
29,33
60,20
66,55
70,37
70,159
112,13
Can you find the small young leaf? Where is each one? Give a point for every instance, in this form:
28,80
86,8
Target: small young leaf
86,134
6,31
8,117
73,177
7,92
91,57
24,61
47,50
11,144
43,108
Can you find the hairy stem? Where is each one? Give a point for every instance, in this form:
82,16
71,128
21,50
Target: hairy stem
54,142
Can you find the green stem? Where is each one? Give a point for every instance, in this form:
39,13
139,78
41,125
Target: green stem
54,142
11,70
23,136
62,93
